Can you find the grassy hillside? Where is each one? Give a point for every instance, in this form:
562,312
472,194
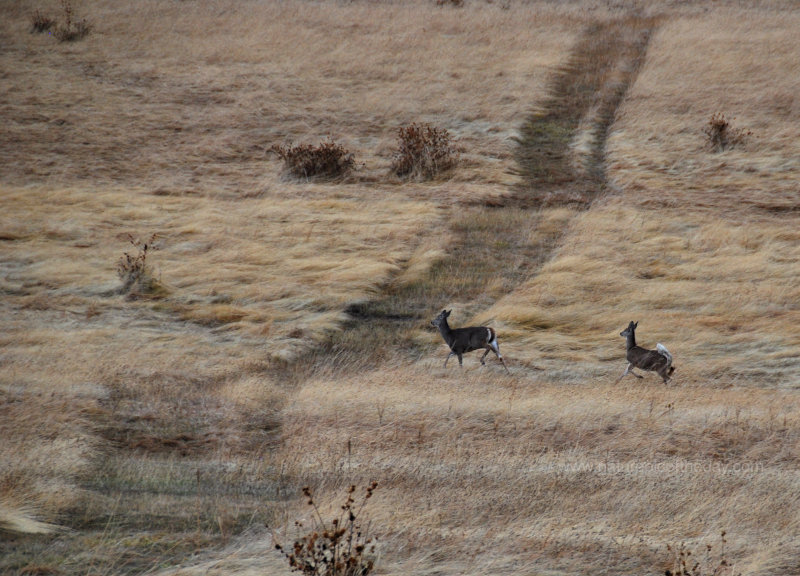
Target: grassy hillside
288,343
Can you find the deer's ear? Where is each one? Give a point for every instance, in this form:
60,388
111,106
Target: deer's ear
448,312
635,324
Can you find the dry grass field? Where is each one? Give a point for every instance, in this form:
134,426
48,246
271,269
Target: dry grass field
288,342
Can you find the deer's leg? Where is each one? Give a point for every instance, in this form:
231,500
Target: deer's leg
484,356
503,362
496,349
460,360
448,358
629,369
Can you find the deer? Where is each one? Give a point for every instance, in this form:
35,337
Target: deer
658,360
461,340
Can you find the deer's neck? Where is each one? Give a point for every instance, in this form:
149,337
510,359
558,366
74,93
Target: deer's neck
446,332
631,340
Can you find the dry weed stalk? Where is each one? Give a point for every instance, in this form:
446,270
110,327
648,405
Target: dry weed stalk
342,547
72,29
721,135
132,268
685,565
41,22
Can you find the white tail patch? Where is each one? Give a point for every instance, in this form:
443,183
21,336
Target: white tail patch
661,349
493,343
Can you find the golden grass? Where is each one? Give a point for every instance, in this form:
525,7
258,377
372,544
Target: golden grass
726,66
199,106
159,122
723,291
503,471
160,428
15,519
258,265
695,241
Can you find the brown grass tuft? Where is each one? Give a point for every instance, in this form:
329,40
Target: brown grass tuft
71,29
41,22
133,269
423,152
722,135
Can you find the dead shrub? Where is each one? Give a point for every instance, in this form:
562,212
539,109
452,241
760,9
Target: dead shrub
424,151
721,135
134,270
71,29
341,547
41,23
325,160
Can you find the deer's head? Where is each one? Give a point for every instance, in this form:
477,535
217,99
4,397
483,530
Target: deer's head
629,330
441,318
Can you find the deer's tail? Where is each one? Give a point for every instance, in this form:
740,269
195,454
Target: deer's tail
661,349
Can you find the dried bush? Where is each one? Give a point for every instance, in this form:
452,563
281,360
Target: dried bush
342,547
71,29
721,135
41,22
133,269
424,151
325,160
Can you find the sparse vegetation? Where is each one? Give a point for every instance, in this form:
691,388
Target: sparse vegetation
685,563
41,22
722,135
344,546
68,29
326,160
133,268
71,29
423,151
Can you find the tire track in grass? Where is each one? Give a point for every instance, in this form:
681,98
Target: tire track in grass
492,248
495,247
561,148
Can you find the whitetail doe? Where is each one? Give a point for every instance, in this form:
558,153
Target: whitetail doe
658,360
463,340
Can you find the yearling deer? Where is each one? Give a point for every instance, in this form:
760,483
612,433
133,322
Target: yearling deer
658,360
463,340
